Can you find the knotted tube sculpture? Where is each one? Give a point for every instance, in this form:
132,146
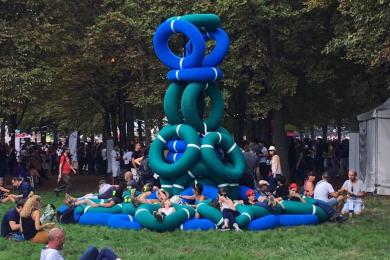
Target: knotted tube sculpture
198,148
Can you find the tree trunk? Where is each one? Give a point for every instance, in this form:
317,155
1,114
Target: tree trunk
122,120
114,125
280,141
148,137
55,136
130,122
339,131
140,132
2,134
324,132
312,132
106,125
13,125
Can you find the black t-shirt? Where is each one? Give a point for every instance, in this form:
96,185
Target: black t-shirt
136,155
10,215
281,191
118,197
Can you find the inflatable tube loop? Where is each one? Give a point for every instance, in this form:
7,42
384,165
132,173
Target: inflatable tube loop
144,215
94,219
187,161
201,74
171,103
128,208
180,183
198,224
297,220
264,223
246,215
294,207
209,212
231,174
207,22
164,53
216,56
188,102
123,221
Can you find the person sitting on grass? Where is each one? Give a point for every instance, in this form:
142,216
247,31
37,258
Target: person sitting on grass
10,225
197,196
117,198
166,209
324,191
54,246
5,194
22,186
229,211
281,192
355,193
30,221
266,197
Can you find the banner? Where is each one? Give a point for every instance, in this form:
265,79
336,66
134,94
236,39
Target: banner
73,146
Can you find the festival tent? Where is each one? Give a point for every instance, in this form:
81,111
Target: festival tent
374,149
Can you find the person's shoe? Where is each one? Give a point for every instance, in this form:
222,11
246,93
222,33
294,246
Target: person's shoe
224,228
158,216
238,230
341,219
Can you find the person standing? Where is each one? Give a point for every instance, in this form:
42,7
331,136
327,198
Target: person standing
127,158
3,162
136,160
115,163
276,168
262,153
104,159
64,171
251,169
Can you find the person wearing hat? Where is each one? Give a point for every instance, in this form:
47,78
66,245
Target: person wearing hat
294,194
276,168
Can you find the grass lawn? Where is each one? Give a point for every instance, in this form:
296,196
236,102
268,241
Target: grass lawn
365,237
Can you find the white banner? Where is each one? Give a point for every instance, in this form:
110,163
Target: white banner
73,146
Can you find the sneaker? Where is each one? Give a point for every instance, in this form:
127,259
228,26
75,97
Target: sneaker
158,216
341,219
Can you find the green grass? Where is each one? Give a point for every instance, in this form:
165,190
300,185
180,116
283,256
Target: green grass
365,237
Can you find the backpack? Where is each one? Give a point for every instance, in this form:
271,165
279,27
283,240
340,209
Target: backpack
49,214
65,215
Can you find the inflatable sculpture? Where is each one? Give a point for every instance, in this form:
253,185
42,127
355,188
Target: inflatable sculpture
197,148
192,147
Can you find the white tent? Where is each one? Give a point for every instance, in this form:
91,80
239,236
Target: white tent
374,149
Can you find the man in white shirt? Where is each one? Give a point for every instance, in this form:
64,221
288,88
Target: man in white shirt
324,191
115,163
54,246
355,190
127,159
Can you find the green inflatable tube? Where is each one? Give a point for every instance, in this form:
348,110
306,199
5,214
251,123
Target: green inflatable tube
259,212
171,103
144,215
210,158
85,208
180,184
167,185
246,215
186,162
294,207
128,208
209,22
209,212
188,102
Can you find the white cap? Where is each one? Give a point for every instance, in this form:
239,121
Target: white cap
272,148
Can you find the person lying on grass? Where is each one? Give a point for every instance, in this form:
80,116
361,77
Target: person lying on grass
229,211
30,222
166,209
116,199
5,194
197,196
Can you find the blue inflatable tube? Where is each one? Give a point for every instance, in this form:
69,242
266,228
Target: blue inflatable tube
209,192
220,50
94,219
123,221
173,157
297,220
164,53
195,74
264,223
198,224
177,146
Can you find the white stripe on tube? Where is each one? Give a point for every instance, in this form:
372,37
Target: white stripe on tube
207,86
131,218
219,137
191,175
215,74
188,213
177,75
205,127
161,139
178,186
166,186
234,184
181,63
178,130
222,185
207,146
314,210
86,209
174,157
246,214
193,145
140,210
174,146
208,35
172,26
232,148
220,222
